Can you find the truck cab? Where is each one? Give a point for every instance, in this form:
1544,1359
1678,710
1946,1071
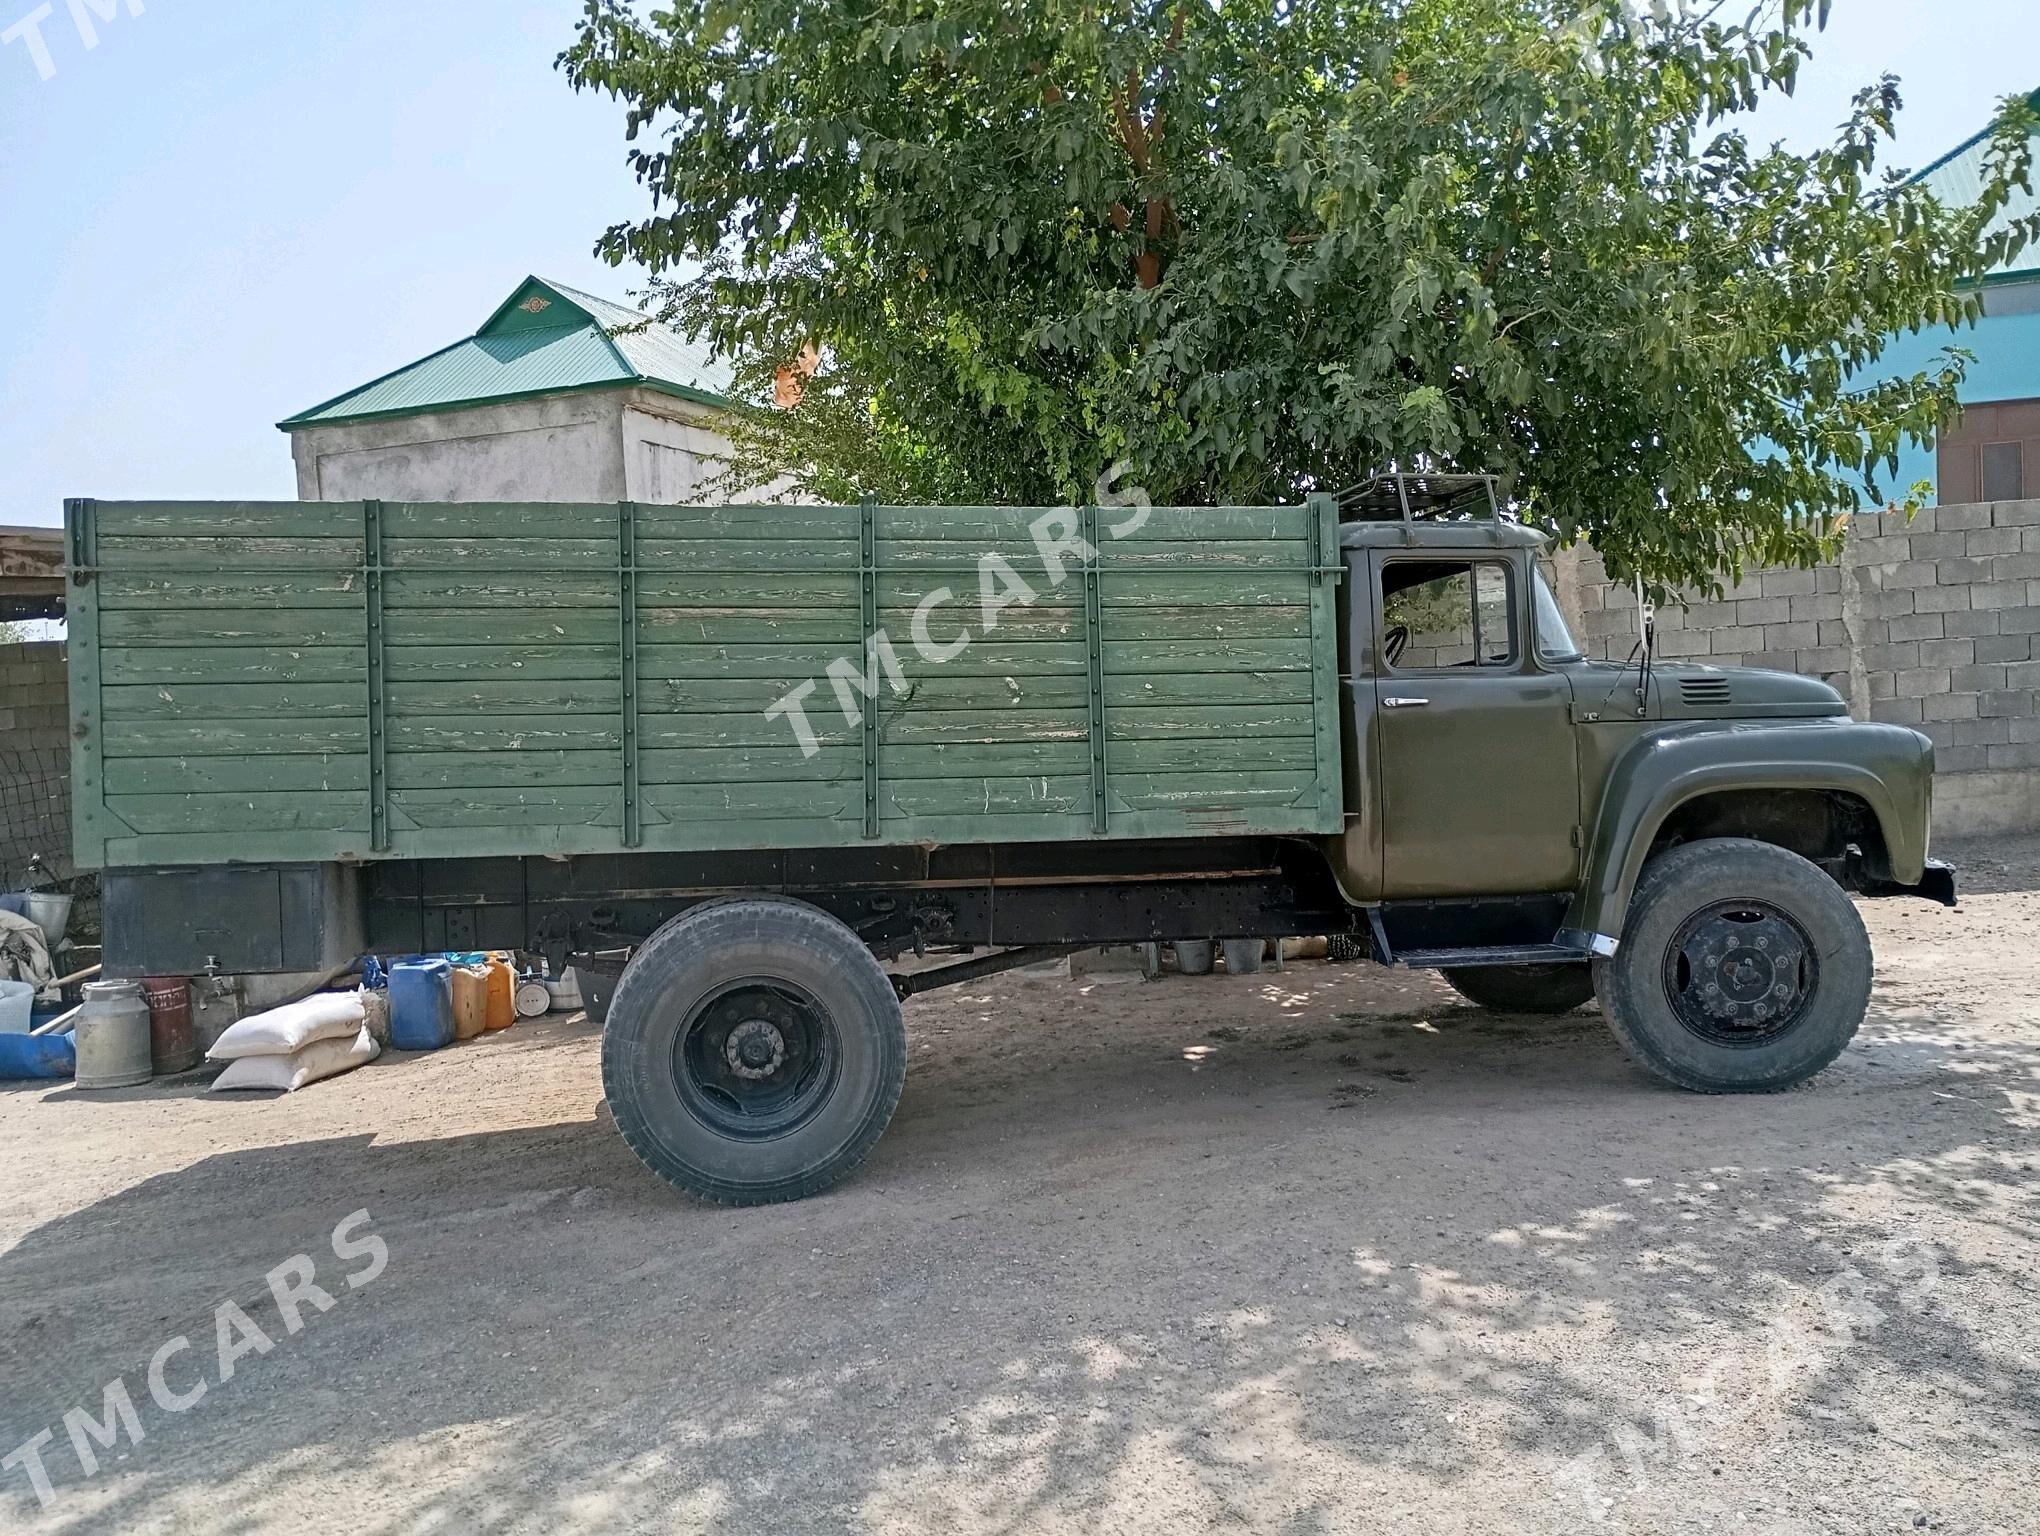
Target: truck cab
1512,805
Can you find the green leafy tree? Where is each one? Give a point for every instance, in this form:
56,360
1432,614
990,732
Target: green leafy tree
1257,249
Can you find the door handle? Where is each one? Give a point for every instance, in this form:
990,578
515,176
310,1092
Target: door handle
1404,703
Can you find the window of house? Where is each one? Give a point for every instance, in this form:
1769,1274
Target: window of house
2004,471
1447,613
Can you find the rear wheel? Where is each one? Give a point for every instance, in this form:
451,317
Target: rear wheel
1523,988
754,1051
1743,968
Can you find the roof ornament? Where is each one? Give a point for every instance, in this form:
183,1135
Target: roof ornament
535,305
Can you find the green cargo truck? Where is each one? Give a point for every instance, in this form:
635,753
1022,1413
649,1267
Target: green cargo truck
768,750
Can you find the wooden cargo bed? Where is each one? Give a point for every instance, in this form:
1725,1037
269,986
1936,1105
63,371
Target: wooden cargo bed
319,681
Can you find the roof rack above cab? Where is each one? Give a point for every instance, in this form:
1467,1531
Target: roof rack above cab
1407,498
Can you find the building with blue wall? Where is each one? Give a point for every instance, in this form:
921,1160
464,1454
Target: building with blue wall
1993,452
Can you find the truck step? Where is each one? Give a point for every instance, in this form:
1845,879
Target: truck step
1508,954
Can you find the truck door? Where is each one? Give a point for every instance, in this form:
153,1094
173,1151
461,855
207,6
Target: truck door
1478,773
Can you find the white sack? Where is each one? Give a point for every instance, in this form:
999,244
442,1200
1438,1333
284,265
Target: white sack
376,1015
280,1031
322,1058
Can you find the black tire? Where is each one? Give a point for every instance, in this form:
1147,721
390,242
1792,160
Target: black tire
1195,957
1344,949
1243,957
754,1051
1548,989
1742,969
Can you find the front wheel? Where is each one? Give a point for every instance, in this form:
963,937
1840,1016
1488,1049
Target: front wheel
1743,968
754,1051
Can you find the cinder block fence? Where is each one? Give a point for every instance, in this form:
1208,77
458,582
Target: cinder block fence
1929,622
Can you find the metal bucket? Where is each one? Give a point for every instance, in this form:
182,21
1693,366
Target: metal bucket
49,911
112,1032
173,1038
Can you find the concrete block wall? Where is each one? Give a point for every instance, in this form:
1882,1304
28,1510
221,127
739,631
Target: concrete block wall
1929,622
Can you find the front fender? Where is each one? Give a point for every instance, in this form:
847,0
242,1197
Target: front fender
1889,767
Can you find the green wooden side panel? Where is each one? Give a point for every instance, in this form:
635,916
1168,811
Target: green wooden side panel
349,680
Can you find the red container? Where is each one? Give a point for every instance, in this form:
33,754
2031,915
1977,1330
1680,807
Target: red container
173,1038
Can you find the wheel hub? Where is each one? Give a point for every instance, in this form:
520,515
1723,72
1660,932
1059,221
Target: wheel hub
755,1049
756,1057
1740,973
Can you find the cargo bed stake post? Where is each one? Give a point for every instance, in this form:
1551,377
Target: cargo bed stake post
868,529
1094,649
627,665
372,601
1322,510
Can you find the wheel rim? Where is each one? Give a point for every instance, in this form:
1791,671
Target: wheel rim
1741,973
756,1058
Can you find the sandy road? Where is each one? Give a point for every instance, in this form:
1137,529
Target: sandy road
1315,1252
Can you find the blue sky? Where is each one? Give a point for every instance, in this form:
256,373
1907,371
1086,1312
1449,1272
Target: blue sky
228,210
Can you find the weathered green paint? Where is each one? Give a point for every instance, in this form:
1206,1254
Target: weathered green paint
256,811
324,589
1094,650
629,625
475,664
168,665
1662,765
320,773
1323,535
1541,775
288,630
297,681
231,701
1454,796
374,583
193,736
869,659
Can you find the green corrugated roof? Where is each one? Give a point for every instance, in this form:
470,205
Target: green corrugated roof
544,339
1957,180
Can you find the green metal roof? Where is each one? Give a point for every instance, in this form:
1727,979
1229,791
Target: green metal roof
545,339
1956,179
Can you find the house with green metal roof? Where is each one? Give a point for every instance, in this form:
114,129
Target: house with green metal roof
1993,452
558,396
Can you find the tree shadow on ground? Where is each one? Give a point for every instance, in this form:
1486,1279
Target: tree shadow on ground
1298,1279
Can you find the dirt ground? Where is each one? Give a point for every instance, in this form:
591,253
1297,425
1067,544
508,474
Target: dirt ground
1322,1251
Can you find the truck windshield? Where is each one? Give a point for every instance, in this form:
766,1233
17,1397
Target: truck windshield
1554,640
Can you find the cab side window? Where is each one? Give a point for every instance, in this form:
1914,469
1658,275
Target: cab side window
1447,613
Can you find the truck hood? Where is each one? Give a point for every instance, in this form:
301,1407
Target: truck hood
1685,692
